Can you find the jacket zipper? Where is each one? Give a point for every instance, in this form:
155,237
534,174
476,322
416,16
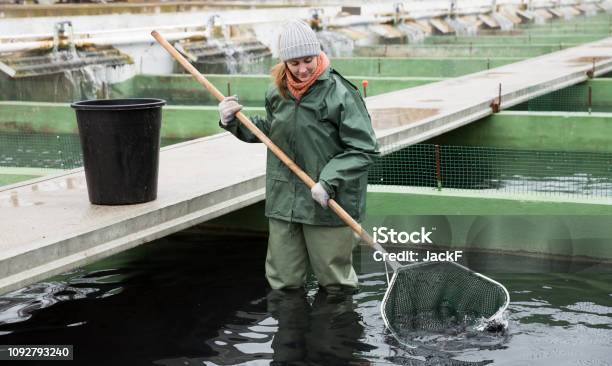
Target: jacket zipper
293,177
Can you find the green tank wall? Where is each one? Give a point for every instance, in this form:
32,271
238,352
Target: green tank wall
538,227
526,227
55,88
6,179
461,203
517,40
601,23
462,50
508,129
419,67
182,122
251,89
574,98
551,131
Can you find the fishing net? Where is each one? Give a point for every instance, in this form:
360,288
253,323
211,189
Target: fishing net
438,296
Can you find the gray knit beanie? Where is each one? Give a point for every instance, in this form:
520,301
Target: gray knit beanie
297,40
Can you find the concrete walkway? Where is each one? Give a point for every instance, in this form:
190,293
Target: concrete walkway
408,116
48,225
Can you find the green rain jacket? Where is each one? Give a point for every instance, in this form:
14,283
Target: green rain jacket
328,134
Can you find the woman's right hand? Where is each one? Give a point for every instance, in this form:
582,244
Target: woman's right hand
319,194
228,108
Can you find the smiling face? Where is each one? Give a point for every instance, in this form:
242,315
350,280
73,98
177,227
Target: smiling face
302,68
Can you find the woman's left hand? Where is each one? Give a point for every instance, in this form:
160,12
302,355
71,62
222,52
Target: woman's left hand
320,195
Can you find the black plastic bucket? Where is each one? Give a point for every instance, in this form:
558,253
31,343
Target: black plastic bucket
120,143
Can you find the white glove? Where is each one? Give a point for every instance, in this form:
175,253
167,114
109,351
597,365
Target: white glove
319,194
228,108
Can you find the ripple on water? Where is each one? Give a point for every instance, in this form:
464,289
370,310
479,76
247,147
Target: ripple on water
18,306
567,323
590,307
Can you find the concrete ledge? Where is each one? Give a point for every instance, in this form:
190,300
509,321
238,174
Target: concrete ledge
192,189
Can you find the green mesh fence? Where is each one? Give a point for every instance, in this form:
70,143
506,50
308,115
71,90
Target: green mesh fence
585,97
509,171
37,150
50,151
555,173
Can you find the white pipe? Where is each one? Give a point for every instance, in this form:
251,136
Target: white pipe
148,30
420,11
185,28
139,38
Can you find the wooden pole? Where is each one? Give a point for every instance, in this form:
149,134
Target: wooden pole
342,214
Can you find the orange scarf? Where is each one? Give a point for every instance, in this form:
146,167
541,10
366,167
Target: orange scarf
297,87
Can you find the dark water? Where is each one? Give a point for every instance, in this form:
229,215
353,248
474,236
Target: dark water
193,299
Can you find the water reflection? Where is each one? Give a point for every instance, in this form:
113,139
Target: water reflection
290,328
202,300
20,305
326,332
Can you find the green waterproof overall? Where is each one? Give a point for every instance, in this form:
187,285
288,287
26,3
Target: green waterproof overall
327,133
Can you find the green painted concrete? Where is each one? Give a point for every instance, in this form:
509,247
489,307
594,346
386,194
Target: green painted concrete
574,98
381,84
58,118
179,89
382,204
54,88
549,131
516,40
461,50
571,29
251,89
27,117
508,225
565,236
599,20
419,67
10,175
27,171
511,129
188,122
6,179
183,89
250,218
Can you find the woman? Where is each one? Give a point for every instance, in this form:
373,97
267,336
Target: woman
320,121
